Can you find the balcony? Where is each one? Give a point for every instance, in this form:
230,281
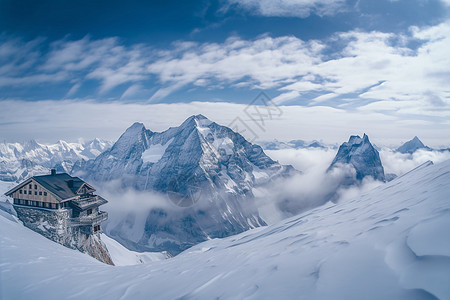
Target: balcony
89,220
84,203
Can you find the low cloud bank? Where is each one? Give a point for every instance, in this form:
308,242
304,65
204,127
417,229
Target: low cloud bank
315,186
281,199
399,163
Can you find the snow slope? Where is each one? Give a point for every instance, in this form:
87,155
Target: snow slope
391,243
121,256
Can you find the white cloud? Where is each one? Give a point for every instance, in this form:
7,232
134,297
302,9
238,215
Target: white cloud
399,163
49,121
266,61
371,65
289,8
371,72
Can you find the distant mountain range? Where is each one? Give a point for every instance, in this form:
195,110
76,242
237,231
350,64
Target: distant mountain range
205,171
19,161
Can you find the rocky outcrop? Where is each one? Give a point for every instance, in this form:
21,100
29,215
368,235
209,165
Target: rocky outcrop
359,154
54,225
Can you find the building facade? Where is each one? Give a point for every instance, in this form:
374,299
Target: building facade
64,209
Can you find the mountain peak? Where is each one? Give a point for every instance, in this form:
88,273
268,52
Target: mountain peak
199,117
136,125
411,146
360,153
196,121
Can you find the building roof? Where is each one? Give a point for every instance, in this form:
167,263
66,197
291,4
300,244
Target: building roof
63,186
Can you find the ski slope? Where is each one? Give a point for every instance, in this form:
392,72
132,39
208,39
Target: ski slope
391,243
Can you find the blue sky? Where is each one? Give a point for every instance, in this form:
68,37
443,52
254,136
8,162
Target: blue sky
385,59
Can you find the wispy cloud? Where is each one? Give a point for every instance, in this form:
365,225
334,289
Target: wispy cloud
369,71
288,8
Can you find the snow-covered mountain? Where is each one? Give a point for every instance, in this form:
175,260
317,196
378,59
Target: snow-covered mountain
18,161
362,156
412,145
390,243
205,170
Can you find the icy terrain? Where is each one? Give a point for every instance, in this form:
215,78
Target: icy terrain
390,243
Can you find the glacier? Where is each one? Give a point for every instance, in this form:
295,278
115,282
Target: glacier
389,243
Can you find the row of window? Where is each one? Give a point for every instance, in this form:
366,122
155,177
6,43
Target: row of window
96,228
36,203
31,193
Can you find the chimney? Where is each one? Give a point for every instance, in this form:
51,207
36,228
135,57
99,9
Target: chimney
53,172
70,183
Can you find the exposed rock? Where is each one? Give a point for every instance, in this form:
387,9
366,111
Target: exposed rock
54,225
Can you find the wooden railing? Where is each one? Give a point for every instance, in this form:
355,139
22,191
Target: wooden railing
89,220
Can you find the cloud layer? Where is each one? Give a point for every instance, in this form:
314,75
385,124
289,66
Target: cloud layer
405,73
49,121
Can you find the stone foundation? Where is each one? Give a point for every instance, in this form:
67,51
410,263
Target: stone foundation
53,224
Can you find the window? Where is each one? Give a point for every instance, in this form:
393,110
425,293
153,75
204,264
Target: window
25,192
96,228
45,193
30,186
20,192
89,211
35,193
35,186
40,193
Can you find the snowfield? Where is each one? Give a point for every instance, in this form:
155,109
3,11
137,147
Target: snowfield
391,243
121,256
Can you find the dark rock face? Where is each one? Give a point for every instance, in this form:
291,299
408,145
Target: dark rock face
359,153
54,226
207,172
412,146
